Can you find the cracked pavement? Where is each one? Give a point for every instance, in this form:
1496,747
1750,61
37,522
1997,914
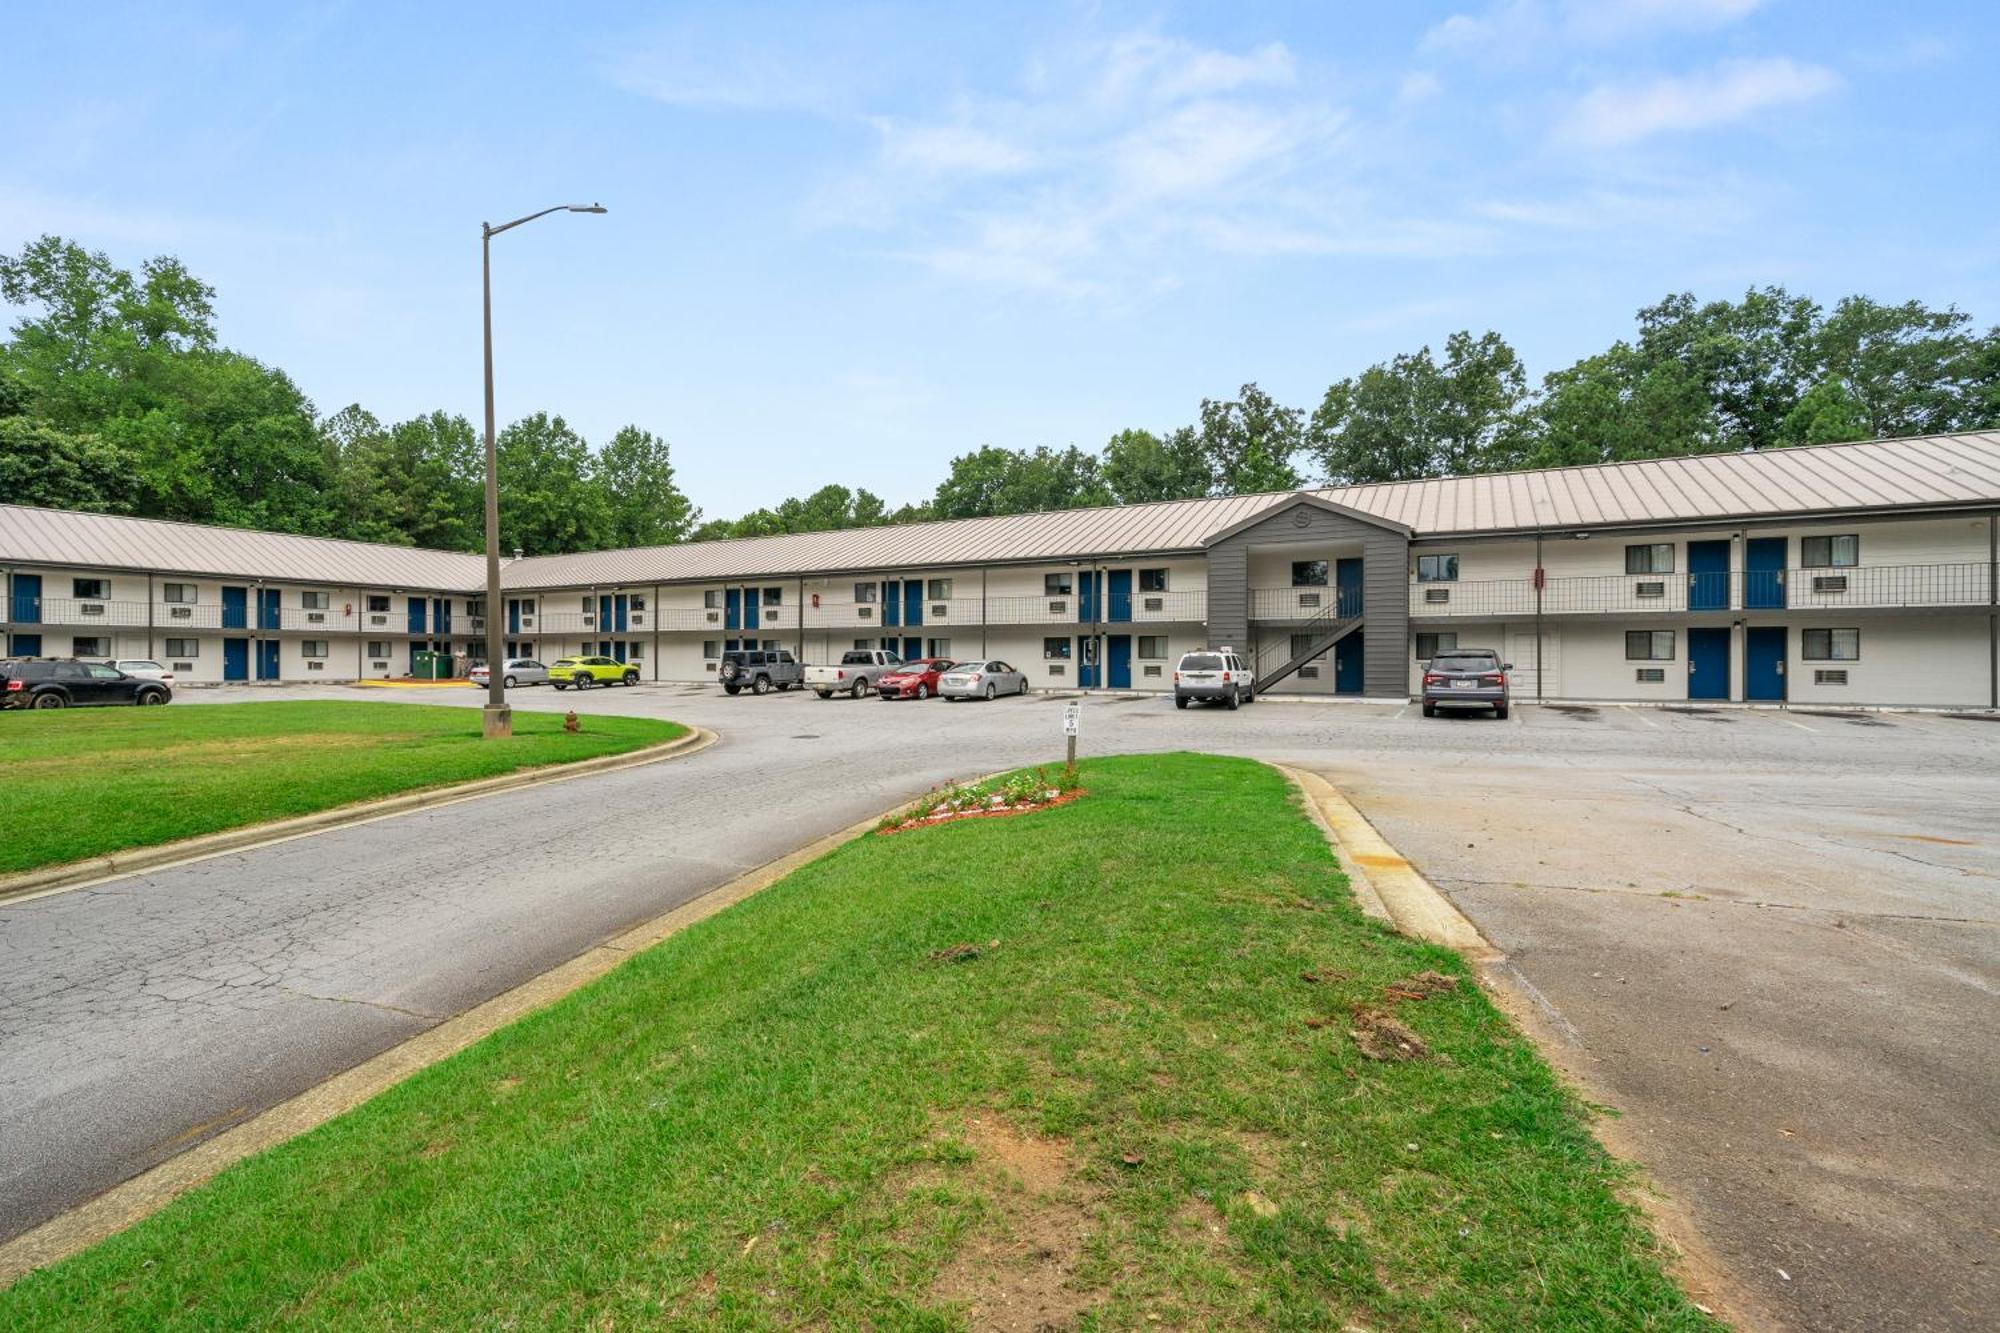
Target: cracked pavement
1771,941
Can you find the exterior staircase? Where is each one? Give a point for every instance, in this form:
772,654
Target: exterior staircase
1275,661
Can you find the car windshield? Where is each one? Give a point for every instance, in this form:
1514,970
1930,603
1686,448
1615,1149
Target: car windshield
1465,662
1202,662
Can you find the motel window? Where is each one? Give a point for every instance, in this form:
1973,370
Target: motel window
1152,580
864,645
314,601
634,650
864,593
710,599
1830,645
1839,552
1652,558
589,604
377,603
312,648
91,590
1153,646
1308,573
1302,643
183,647
1057,585
638,601
182,593
90,646
1055,649
939,590
711,648
1649,645
1437,568
1430,645
937,648
774,596
378,648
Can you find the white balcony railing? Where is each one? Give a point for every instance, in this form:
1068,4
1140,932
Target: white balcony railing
1858,587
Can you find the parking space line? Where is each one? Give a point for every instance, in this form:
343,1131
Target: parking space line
1801,726
1636,716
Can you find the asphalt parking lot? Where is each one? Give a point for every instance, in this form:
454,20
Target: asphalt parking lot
1766,938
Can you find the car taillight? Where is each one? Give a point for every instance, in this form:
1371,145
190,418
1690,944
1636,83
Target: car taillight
1433,679
13,685
1225,677
974,678
840,675
1177,675
1493,680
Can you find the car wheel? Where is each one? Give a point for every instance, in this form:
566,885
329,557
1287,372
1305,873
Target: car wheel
824,694
631,679
1430,710
923,690
1500,711
152,698
585,682
860,690
1250,695
991,691
761,685
1180,701
51,700
511,683
1233,700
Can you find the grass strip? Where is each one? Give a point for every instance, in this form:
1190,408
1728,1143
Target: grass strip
85,782
1066,1069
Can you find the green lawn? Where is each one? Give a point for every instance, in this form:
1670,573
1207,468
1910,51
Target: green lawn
83,782
794,1114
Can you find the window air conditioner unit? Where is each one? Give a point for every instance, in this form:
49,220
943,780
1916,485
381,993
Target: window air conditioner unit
861,612
184,666
91,609
1830,583
1308,600
1059,608
378,620
1437,594
1834,677
378,666
939,609
1651,589
179,612
1308,673
1156,604
315,666
315,617
1651,675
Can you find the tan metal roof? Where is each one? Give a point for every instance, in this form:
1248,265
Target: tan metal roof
107,541
1882,475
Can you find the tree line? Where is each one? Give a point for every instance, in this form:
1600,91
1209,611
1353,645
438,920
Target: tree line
115,396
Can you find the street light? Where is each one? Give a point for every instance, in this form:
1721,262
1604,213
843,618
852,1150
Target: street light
497,717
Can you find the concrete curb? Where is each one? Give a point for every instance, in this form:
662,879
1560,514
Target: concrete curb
97,869
134,1200
1399,890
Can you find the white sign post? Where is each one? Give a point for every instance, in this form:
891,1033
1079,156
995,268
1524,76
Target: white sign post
1072,715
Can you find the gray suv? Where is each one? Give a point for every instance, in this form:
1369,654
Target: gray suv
1466,678
760,671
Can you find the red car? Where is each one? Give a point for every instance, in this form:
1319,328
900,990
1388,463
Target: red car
915,679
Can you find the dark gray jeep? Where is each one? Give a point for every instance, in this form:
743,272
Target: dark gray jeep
760,671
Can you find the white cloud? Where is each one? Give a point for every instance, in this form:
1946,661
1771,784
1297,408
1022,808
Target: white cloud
1522,29
1418,86
947,150
1615,114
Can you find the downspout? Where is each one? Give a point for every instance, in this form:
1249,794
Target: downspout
149,613
656,633
983,650
1541,578
1993,611
799,610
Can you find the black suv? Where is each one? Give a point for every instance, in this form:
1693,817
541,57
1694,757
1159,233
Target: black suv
64,682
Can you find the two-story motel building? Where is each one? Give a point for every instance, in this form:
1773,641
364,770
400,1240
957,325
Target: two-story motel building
1860,574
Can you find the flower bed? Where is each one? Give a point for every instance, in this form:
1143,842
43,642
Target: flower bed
1017,794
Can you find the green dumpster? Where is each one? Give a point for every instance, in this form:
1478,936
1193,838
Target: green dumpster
427,665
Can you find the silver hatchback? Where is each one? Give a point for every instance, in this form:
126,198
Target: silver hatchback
520,671
981,680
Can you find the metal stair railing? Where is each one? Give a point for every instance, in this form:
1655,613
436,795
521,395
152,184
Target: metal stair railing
1322,632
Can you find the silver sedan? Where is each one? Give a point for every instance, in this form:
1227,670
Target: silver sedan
981,680
520,671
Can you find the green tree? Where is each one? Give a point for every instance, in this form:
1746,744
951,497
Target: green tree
1417,417
1248,444
1754,359
1616,406
1140,467
993,481
635,472
41,465
1903,370
549,501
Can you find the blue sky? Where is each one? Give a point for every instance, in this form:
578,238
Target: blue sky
848,242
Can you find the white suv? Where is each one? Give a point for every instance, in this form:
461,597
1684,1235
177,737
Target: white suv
1217,675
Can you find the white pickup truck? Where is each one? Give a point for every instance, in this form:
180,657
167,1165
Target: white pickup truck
857,673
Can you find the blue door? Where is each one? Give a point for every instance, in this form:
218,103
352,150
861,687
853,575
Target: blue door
913,602
267,659
617,653
892,603
732,608
416,614
1708,577
912,649
1764,663
235,657
621,608
1119,606
1086,599
513,618
1118,648
27,600
441,616
751,601
1764,574
1708,663
267,609
1347,587
1347,664
1086,656
26,645
236,608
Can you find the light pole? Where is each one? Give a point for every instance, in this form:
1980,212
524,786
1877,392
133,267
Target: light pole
498,718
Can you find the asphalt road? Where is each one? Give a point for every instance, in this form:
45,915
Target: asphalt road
1769,938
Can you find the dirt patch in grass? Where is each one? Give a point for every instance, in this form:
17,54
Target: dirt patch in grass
1383,1036
1017,1273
